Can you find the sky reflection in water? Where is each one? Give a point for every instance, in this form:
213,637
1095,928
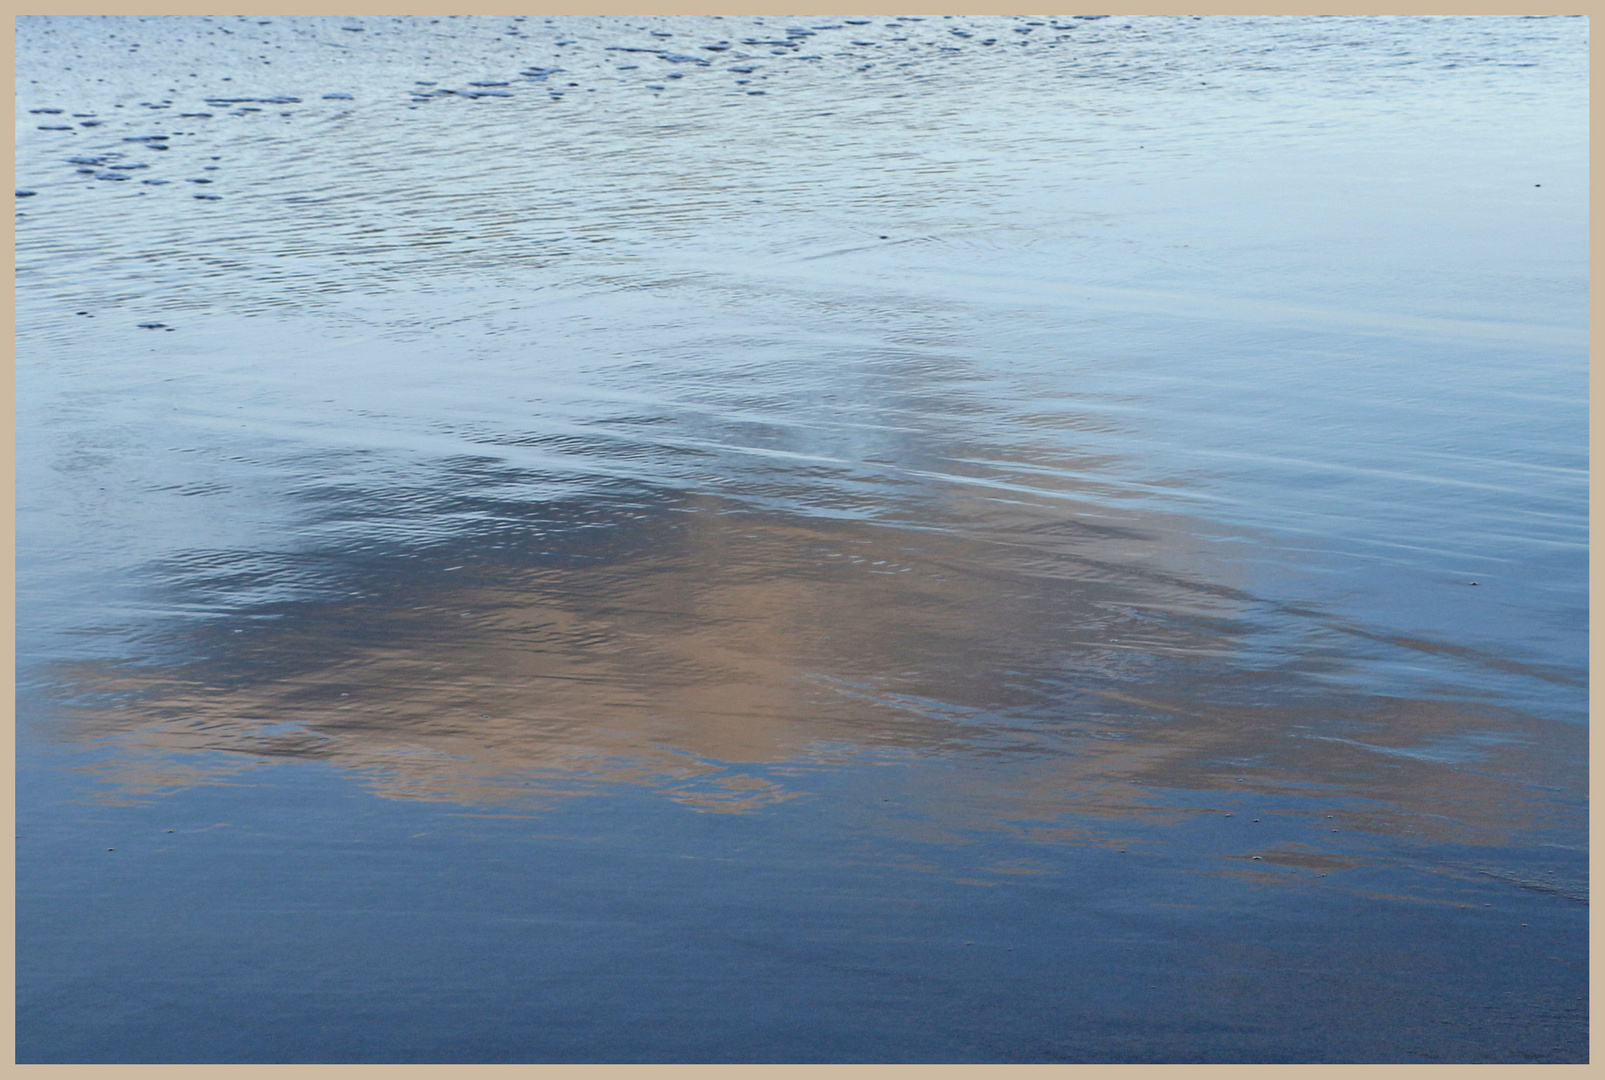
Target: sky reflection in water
1102,451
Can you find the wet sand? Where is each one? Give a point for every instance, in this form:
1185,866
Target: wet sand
746,540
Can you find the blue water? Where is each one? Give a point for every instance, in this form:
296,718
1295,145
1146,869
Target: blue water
1065,549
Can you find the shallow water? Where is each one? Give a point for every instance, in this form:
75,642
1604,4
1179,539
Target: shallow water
971,540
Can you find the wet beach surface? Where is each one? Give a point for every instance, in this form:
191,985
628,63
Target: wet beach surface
693,539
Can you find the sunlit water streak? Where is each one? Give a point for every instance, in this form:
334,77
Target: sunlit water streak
1099,427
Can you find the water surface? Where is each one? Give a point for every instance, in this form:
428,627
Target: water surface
693,539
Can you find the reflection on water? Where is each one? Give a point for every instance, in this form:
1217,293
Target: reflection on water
679,635
681,643
982,447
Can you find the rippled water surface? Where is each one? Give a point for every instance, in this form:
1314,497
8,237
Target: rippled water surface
695,539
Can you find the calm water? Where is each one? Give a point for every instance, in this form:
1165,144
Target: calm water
700,539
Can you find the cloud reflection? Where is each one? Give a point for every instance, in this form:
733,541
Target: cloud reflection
722,655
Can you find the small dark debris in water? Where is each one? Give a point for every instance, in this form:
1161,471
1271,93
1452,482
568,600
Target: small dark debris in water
46,112
1256,858
169,830
1256,819
90,123
83,313
209,198
24,194
757,93
1471,583
337,97
152,326
198,180
886,238
352,29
